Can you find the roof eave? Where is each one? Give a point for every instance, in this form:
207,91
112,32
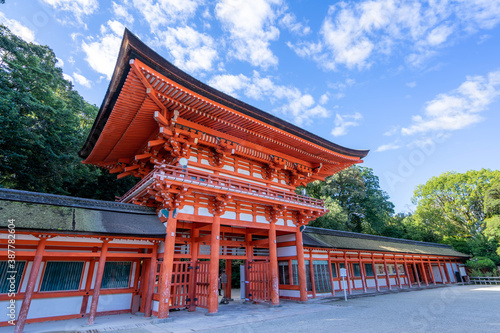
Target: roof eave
132,47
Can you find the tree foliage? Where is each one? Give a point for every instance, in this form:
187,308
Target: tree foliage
454,202
355,200
44,122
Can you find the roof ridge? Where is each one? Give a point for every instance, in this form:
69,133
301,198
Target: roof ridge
75,202
351,234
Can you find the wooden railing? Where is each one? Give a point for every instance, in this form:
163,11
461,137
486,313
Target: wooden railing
485,279
224,183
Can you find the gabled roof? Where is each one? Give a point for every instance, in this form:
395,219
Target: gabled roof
256,125
335,239
56,213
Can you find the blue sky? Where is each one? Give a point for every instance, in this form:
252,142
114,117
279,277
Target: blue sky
416,82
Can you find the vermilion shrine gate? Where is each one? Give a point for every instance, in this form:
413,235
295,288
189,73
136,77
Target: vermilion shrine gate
220,173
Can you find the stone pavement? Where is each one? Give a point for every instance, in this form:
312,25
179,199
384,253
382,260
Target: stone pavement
452,309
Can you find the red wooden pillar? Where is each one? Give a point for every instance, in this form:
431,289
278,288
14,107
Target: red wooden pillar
98,282
397,272
194,248
331,273
430,270
374,269
229,272
407,272
23,312
213,291
153,266
166,269
387,278
88,285
424,273
440,271
249,253
273,262
346,265
448,280
416,272
146,263
311,274
362,272
301,266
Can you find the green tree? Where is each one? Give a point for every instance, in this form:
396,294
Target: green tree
43,123
492,210
453,203
355,201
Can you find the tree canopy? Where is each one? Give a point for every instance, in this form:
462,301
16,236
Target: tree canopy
355,201
44,123
454,202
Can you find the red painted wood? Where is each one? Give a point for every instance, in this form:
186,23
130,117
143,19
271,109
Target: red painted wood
97,285
35,268
153,266
166,268
213,296
301,266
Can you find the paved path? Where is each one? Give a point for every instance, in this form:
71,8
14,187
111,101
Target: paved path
449,309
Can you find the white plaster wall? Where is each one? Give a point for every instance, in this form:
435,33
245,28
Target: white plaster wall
290,293
4,305
451,273
370,283
229,215
437,274
358,284
112,302
59,306
280,222
285,238
187,210
382,282
261,219
203,211
85,273
320,256
26,276
287,251
39,277
246,217
336,285
156,305
244,172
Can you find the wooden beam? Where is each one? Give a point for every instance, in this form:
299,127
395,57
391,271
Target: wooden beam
25,306
98,282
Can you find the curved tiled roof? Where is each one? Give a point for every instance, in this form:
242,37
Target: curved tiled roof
133,48
336,239
47,212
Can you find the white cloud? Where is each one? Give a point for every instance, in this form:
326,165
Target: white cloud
389,146
289,21
18,29
343,122
302,108
121,12
354,33
412,84
166,12
82,80
59,63
79,8
67,77
251,28
102,52
191,50
459,108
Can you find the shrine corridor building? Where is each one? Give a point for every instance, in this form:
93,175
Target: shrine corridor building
217,181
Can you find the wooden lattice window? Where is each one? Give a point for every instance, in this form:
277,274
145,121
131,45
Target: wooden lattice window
62,275
6,271
116,274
